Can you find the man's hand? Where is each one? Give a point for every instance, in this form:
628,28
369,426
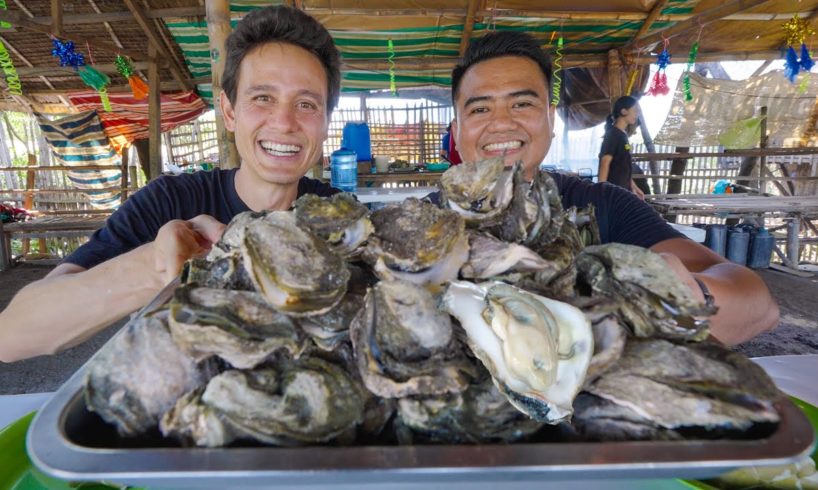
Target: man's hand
636,190
178,241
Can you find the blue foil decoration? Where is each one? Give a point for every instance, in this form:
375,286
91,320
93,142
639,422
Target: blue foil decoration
65,52
806,61
791,65
664,59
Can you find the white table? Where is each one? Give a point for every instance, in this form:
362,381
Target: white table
392,194
695,234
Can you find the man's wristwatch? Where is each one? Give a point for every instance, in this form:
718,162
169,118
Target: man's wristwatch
709,300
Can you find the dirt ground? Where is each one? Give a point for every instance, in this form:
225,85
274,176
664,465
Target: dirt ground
796,334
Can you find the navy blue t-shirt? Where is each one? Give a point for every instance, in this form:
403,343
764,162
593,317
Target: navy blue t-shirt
167,198
622,217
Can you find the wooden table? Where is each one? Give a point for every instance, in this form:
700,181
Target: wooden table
793,208
47,227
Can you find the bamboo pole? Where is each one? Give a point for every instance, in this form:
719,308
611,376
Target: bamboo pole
652,16
769,152
218,28
154,118
56,17
124,174
468,26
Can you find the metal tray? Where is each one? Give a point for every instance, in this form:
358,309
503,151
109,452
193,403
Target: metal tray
69,442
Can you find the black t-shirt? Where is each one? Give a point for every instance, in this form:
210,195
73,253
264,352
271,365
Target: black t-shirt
622,217
167,198
616,144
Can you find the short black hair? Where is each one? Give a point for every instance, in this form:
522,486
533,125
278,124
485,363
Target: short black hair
281,24
497,44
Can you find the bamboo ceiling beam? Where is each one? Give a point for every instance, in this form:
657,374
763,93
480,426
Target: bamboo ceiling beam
161,49
33,71
56,17
106,24
652,16
125,16
695,22
468,26
16,19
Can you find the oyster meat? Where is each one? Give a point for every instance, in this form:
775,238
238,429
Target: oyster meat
295,271
309,401
405,346
536,349
652,301
137,377
340,220
418,242
238,326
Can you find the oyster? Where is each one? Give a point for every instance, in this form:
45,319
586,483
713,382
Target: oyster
536,349
309,401
137,377
224,272
331,328
661,390
404,345
340,220
479,191
295,271
238,326
490,258
481,414
585,222
418,242
652,301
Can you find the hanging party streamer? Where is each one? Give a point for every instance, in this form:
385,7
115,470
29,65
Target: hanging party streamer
90,75
631,81
125,68
99,82
557,88
658,85
65,52
691,61
12,79
797,30
392,87
3,23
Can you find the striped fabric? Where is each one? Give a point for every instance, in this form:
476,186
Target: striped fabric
431,38
78,140
128,120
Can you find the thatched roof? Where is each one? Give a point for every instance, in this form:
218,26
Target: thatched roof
427,38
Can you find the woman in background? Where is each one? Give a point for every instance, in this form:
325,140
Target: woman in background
615,155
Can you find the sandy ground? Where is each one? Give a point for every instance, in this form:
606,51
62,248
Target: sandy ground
796,334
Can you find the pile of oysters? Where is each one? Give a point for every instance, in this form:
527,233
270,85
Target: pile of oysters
494,316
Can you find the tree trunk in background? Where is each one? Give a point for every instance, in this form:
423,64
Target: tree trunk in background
677,167
154,116
653,164
218,28
143,153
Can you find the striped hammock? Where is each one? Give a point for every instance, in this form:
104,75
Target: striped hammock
78,140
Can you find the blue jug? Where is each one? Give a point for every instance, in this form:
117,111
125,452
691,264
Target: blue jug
761,248
738,242
356,138
343,165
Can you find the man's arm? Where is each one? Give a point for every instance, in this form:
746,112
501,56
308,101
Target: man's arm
604,168
71,304
746,307
636,190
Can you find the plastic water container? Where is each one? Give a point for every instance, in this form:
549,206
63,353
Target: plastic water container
356,138
738,242
716,239
761,249
343,166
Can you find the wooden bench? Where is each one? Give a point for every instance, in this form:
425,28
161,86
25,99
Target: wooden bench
46,227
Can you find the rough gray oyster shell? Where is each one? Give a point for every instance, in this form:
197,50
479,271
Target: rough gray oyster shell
405,346
308,401
651,299
328,330
238,326
662,390
340,220
479,191
137,376
295,271
490,258
418,242
224,272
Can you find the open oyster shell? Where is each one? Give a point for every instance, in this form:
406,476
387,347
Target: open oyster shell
138,376
340,220
238,326
295,271
491,258
479,191
536,349
652,301
309,401
418,242
405,346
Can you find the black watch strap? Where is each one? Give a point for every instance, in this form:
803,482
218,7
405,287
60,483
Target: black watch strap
709,300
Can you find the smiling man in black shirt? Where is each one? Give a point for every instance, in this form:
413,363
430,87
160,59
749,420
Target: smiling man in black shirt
280,119
500,92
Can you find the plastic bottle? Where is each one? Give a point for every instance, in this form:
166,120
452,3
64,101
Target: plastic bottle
716,238
738,241
344,170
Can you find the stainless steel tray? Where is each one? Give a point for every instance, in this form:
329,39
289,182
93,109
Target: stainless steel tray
68,442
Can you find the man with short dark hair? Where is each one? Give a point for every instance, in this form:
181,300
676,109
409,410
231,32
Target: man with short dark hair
281,83
500,93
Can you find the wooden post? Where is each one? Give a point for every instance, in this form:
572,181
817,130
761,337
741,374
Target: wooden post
154,117
124,172
653,164
218,28
422,122
614,76
28,199
677,167
56,17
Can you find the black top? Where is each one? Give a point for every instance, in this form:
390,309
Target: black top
167,198
616,144
622,217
